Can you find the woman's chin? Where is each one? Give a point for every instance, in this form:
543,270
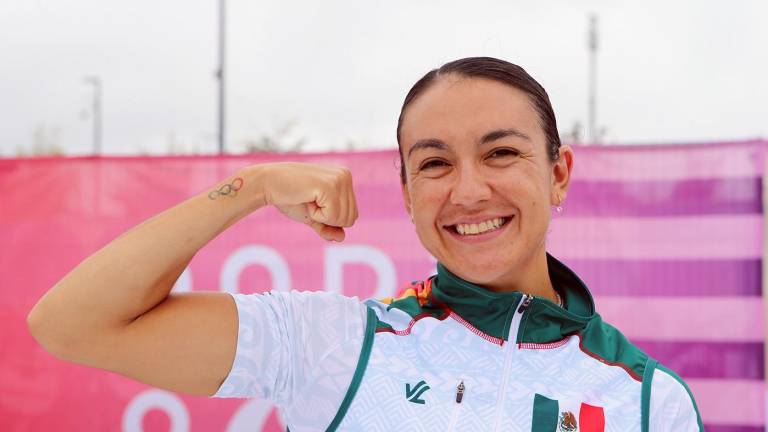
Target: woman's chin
477,273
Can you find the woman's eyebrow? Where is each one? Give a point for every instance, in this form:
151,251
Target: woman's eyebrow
501,133
428,143
489,137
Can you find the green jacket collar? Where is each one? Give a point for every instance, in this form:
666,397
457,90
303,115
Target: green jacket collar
492,312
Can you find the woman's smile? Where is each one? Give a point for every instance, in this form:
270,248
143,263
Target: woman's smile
477,232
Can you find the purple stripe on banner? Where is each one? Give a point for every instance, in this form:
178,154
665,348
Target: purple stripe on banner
709,427
725,360
670,278
665,198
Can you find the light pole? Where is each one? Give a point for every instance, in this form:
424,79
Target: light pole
592,45
221,75
96,83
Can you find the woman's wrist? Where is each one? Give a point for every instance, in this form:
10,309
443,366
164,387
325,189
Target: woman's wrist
253,187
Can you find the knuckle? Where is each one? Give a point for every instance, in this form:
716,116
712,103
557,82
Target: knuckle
343,174
339,181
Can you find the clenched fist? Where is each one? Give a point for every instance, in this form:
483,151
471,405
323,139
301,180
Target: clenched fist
317,195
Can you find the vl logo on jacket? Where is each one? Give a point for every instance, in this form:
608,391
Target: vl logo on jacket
413,394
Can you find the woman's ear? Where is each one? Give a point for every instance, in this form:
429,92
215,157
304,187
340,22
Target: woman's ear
561,174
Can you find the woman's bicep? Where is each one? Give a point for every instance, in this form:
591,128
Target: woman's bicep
185,344
233,345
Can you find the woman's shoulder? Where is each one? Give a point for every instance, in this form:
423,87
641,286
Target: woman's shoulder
400,313
309,316
670,400
608,344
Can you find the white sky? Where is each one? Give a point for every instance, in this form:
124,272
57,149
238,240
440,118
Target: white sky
669,71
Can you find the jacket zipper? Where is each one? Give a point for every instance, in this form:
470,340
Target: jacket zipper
511,347
455,415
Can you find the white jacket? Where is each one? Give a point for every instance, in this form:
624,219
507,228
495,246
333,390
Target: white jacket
450,356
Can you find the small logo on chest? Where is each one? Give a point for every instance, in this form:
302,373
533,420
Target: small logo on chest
568,422
414,394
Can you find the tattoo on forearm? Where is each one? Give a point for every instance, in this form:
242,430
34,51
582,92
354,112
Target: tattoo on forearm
228,189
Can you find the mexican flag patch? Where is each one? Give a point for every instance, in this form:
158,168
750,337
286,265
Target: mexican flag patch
550,415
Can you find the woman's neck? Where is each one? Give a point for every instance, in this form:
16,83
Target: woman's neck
530,278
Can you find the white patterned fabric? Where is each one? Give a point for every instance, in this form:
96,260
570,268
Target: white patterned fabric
671,406
445,353
299,350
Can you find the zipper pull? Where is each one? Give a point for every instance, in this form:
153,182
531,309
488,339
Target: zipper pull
526,302
460,392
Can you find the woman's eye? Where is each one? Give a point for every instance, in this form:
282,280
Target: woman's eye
504,152
434,163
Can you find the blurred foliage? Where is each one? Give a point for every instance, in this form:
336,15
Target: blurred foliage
574,135
45,142
281,139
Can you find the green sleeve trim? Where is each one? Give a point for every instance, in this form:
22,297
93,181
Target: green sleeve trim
362,364
685,386
645,393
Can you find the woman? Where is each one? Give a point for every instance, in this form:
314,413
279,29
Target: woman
504,337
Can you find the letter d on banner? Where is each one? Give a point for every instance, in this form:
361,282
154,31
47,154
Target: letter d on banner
337,256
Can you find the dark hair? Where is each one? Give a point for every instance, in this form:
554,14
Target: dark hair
497,70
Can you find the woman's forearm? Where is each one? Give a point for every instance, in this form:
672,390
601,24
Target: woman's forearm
137,270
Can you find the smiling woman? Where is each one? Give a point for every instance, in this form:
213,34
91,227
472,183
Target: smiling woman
503,337
477,151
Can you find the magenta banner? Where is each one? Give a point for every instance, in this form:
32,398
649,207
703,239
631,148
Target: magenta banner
669,239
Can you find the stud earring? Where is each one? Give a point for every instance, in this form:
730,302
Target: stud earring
559,208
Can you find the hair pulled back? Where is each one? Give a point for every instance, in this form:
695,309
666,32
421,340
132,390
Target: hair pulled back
497,70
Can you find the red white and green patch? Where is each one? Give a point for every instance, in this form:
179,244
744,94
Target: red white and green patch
550,415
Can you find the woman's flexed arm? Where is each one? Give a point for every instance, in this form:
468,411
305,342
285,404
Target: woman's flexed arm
113,311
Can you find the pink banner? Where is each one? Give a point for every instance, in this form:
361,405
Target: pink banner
55,212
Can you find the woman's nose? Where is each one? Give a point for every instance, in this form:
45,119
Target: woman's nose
470,187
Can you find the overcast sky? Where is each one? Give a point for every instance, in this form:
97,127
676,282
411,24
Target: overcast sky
668,71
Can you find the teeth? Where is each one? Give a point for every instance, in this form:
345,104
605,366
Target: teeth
482,227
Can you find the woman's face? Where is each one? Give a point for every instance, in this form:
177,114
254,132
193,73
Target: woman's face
479,183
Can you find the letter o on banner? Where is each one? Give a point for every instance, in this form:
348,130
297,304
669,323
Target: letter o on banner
165,401
249,255
337,256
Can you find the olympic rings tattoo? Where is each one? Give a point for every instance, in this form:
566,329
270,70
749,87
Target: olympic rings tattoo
229,189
